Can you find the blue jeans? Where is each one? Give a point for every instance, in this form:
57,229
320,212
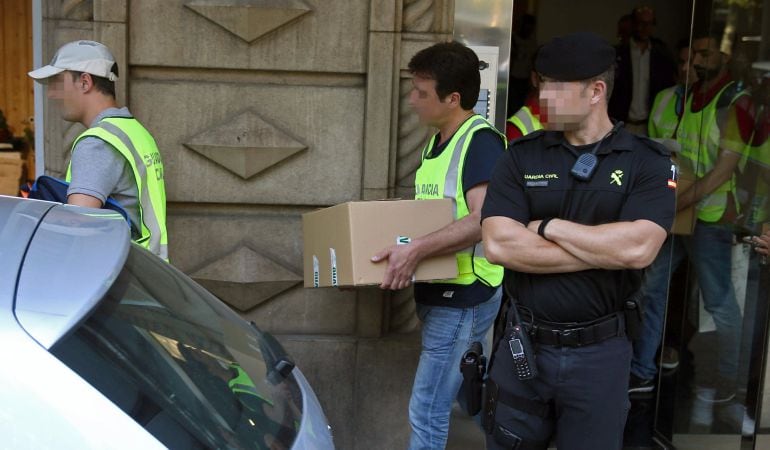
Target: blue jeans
446,334
710,251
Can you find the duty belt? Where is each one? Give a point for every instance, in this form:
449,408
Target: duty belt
577,335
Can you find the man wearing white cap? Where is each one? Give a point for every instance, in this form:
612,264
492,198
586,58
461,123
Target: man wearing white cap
116,156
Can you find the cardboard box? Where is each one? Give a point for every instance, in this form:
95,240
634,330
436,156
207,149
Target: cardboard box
9,187
11,155
10,175
340,241
684,222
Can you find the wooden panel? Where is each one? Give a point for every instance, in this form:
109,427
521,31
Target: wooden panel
16,89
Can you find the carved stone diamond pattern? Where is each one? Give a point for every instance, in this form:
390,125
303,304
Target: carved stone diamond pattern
76,9
419,15
246,278
250,19
245,145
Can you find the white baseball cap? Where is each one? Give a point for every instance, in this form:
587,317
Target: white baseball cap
80,56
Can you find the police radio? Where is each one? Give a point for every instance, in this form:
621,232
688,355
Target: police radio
521,350
522,353
586,164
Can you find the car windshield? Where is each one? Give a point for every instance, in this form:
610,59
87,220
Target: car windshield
181,364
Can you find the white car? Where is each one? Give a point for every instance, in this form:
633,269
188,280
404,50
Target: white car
105,346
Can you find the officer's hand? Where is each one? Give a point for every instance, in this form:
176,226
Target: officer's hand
402,262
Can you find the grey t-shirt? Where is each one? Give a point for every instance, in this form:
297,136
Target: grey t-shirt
99,170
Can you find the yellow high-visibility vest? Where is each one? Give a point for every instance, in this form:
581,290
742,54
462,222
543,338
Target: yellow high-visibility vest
700,139
525,121
441,177
136,144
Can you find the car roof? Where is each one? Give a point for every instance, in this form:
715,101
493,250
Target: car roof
63,266
18,221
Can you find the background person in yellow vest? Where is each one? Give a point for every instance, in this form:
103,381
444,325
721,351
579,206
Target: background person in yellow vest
754,133
456,163
116,156
665,116
527,119
713,159
753,191
668,106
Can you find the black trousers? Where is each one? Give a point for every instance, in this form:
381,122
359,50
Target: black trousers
587,387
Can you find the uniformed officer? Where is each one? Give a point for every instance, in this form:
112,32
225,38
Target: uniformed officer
573,214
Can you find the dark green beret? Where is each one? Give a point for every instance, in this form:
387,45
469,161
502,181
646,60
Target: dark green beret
574,57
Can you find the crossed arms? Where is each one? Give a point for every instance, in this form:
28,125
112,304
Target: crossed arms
570,247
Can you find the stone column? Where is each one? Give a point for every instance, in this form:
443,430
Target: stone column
64,21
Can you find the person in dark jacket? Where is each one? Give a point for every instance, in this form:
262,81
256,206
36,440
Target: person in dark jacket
644,68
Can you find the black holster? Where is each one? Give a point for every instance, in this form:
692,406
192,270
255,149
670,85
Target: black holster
634,312
490,394
473,366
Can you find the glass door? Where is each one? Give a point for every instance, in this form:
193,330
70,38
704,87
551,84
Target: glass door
711,388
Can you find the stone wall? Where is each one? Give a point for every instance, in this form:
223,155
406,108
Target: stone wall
264,110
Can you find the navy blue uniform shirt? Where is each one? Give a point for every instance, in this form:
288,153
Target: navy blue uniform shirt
634,180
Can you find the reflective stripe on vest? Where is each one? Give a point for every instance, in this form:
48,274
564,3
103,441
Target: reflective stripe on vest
525,121
663,118
759,154
441,177
122,134
700,138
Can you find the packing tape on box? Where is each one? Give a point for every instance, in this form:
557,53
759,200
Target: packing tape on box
316,275
333,255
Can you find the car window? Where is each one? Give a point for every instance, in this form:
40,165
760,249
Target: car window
181,364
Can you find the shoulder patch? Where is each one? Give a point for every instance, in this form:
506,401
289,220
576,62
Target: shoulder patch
654,145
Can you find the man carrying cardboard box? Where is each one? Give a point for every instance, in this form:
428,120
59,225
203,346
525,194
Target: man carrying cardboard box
457,164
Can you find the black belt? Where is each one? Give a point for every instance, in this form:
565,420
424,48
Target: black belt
578,335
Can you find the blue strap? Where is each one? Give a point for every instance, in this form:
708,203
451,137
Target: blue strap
55,190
